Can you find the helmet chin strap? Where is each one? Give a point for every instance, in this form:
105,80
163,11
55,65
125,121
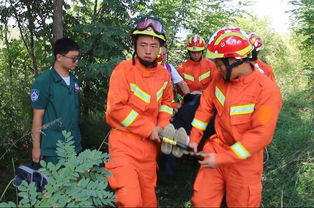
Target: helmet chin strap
148,64
254,55
229,67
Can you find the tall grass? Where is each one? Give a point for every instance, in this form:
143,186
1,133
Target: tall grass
289,173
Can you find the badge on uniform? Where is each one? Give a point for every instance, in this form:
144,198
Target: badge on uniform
76,87
34,94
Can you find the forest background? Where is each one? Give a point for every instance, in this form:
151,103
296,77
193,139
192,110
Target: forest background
29,27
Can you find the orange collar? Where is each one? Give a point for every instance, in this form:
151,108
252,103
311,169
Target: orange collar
190,62
247,78
147,72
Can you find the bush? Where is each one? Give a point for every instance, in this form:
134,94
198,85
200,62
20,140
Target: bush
75,181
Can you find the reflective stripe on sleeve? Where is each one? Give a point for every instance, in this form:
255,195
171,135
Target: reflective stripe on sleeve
188,77
165,108
204,76
161,90
140,93
199,124
242,109
220,96
130,118
240,151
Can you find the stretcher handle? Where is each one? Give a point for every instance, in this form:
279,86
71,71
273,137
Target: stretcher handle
176,143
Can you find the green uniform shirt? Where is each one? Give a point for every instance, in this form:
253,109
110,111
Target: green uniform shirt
50,92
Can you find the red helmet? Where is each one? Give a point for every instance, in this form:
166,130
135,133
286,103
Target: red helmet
196,43
229,42
256,41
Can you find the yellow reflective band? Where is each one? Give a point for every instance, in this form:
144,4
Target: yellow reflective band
195,48
140,93
190,40
220,96
199,124
130,118
242,109
210,54
165,85
229,34
245,50
149,32
160,92
165,108
204,76
240,150
169,141
188,77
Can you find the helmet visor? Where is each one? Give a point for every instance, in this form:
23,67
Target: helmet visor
149,22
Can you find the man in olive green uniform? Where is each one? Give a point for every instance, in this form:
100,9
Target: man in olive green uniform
55,102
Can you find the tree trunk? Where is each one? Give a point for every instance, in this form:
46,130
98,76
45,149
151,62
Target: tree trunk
31,46
57,20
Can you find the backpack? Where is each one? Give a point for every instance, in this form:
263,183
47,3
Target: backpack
30,173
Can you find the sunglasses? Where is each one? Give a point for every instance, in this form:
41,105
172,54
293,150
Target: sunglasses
74,59
149,22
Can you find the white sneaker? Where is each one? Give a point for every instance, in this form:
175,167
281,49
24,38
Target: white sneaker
180,136
168,132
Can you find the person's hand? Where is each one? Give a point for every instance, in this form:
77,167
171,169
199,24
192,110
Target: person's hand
209,161
193,145
36,154
177,107
155,134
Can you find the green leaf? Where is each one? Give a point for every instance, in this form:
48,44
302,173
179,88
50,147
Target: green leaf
7,204
24,202
23,194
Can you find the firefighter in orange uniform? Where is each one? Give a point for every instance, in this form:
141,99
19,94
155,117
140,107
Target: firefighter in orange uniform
198,71
247,105
138,107
260,65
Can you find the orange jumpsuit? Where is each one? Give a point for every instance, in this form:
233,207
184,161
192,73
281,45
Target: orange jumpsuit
265,69
197,75
139,99
247,113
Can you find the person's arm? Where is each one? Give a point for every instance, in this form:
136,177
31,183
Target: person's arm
184,87
40,99
36,131
121,114
178,81
263,123
165,110
202,116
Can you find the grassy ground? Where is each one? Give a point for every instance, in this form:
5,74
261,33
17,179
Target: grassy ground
289,171
177,191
